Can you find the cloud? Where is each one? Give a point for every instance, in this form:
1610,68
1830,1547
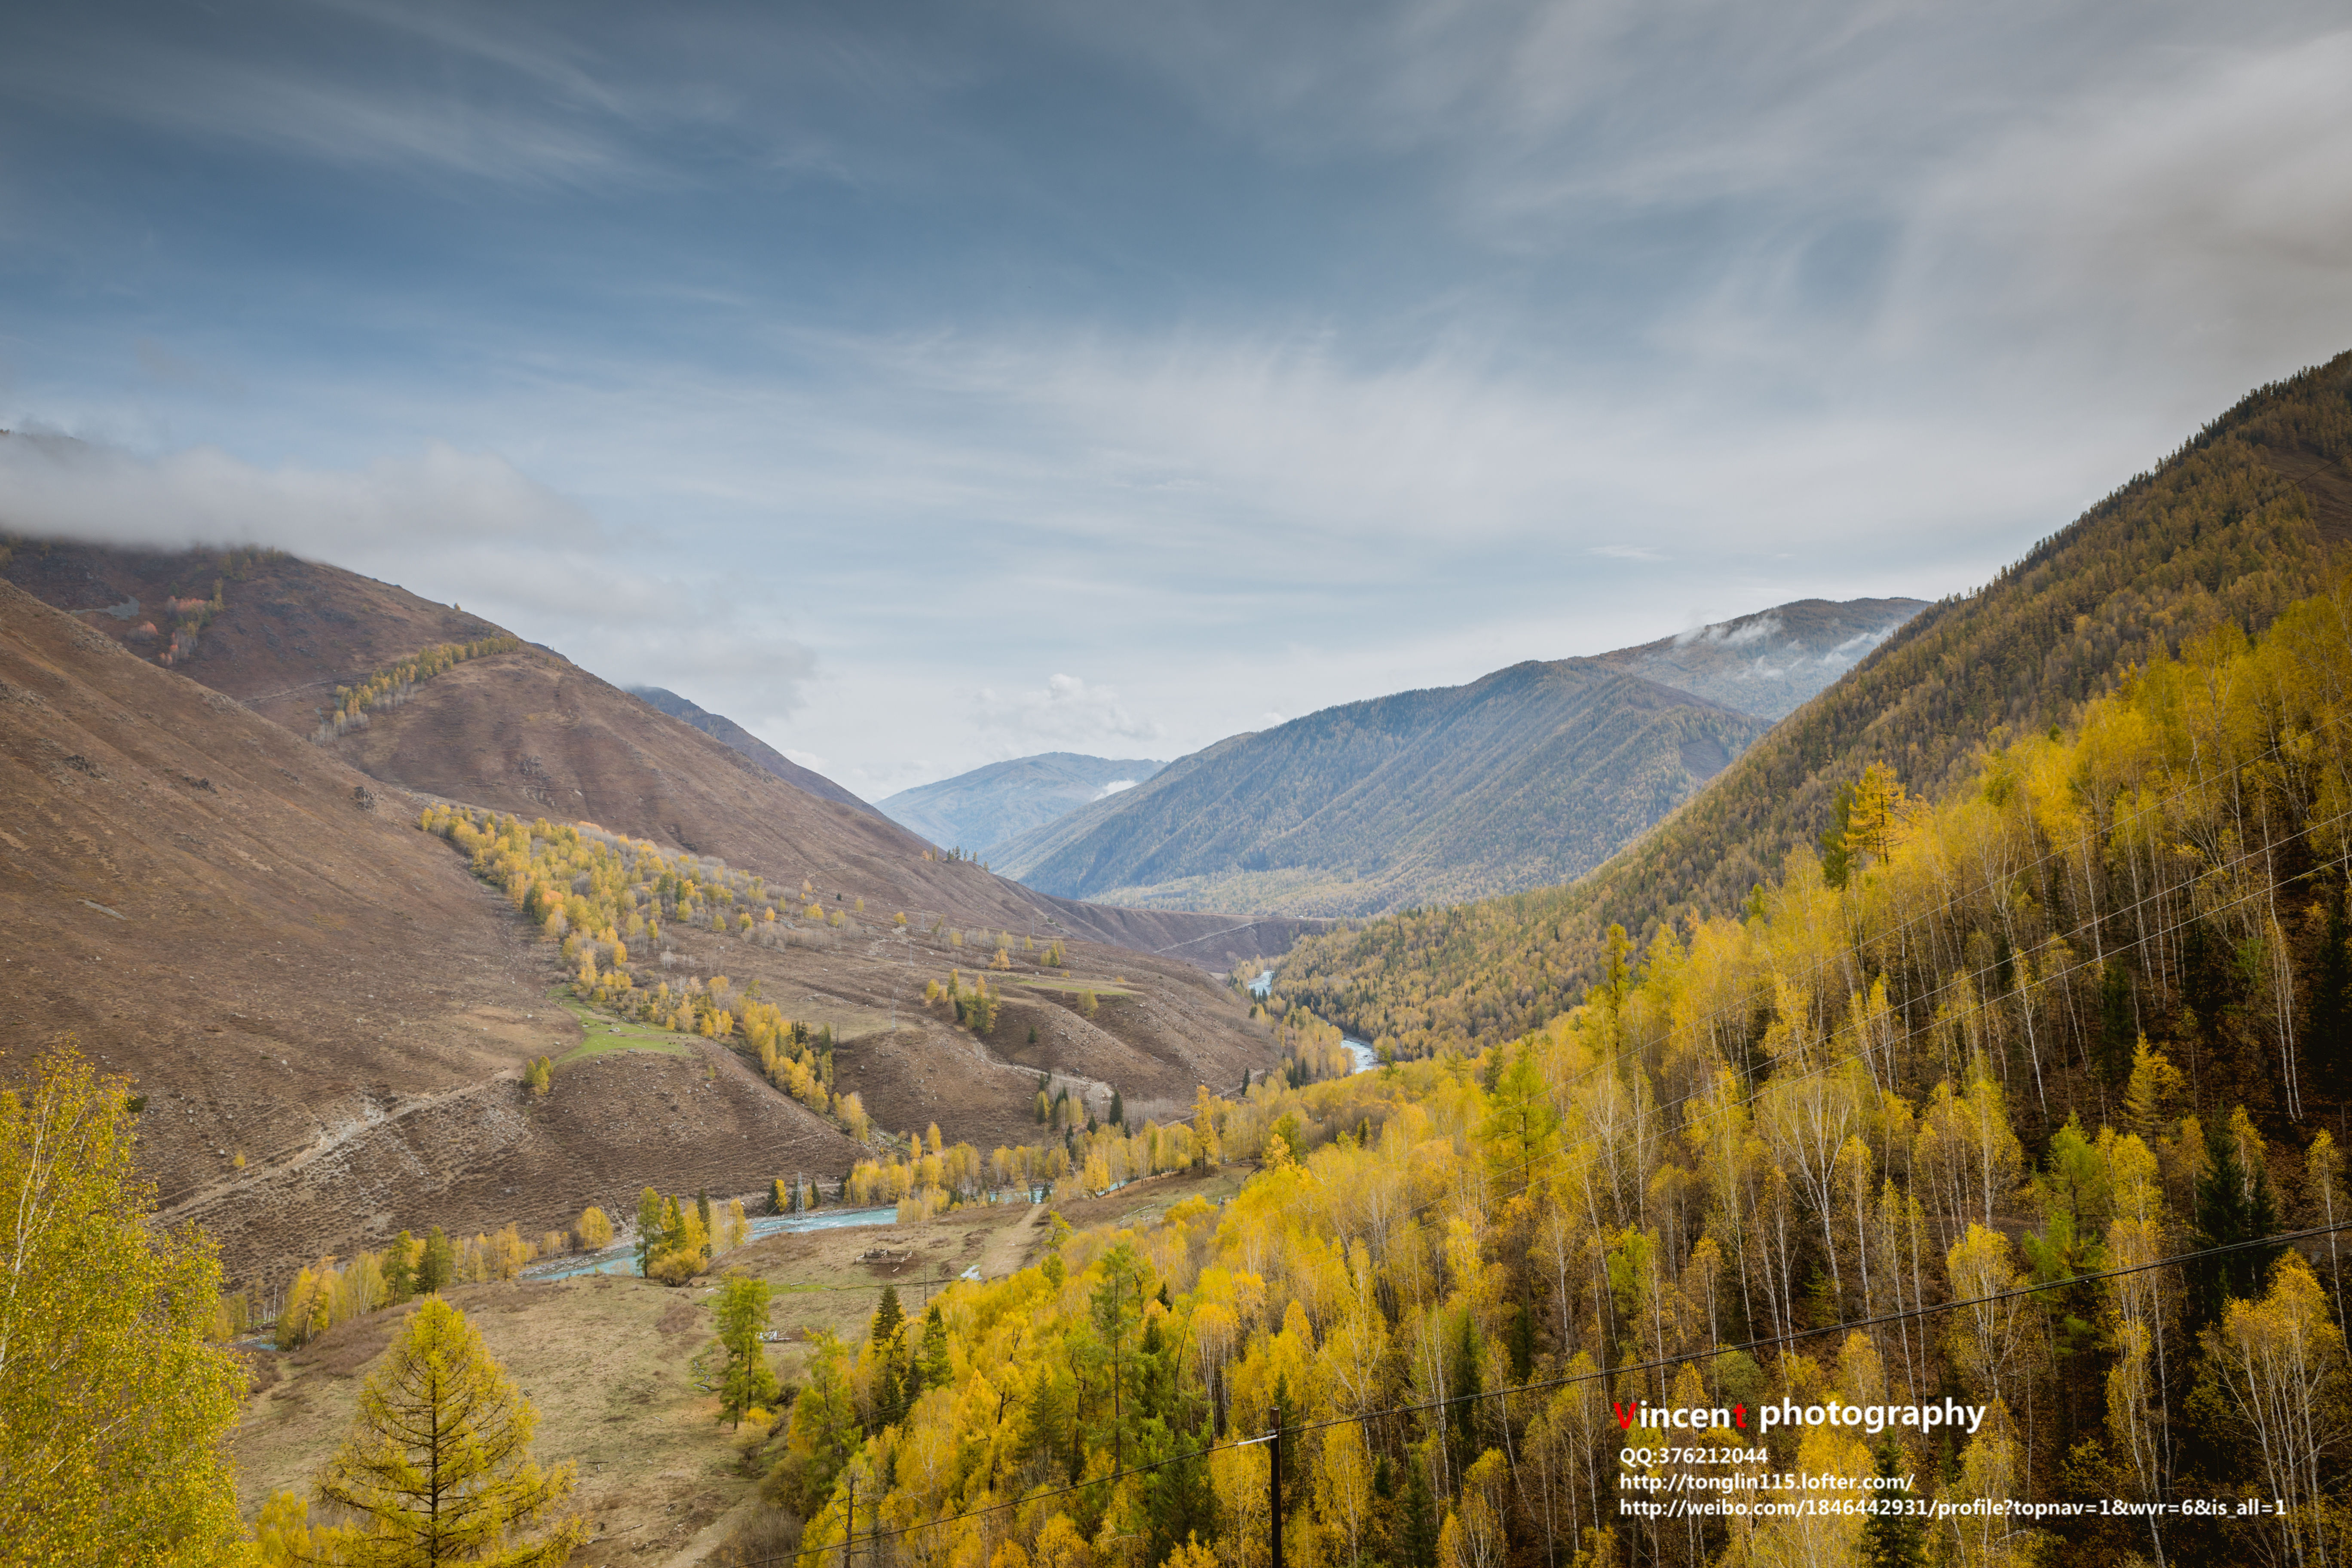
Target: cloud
1065,713
1626,551
457,526
1114,787
1735,633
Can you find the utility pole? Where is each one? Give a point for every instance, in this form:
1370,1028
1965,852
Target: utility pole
1274,1490
1117,1431
850,1533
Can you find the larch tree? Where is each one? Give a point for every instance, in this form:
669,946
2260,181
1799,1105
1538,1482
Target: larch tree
114,1413
437,1466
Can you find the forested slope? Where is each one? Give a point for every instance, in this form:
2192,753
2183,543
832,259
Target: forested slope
1962,1136
2231,528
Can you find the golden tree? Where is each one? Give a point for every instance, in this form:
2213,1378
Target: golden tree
114,1413
437,1466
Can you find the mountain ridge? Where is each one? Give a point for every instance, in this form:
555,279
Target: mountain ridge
736,738
1529,775
983,807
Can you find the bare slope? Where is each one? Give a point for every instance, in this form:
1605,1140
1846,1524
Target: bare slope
978,810
257,934
531,732
2234,526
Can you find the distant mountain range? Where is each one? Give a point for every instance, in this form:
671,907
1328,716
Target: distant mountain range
985,807
736,738
1529,777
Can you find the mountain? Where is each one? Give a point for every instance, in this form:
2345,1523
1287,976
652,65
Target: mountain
736,738
1533,774
325,1012
1770,663
215,878
978,810
2242,521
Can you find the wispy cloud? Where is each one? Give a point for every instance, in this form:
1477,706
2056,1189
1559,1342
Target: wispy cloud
452,525
1066,713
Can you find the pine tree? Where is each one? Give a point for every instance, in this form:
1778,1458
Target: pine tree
2234,1204
2331,993
742,1378
436,1270
937,1371
438,1465
1118,1111
649,1229
1417,1540
400,1268
1890,1539
114,1412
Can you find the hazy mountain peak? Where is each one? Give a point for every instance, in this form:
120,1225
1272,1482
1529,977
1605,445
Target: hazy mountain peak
988,805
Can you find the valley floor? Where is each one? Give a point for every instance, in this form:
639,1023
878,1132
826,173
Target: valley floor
607,1360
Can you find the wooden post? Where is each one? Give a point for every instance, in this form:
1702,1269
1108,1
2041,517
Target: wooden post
1274,1491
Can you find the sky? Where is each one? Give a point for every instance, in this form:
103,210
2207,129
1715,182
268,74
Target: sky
923,386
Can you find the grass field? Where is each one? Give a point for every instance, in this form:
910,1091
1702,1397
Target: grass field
1072,987
604,1034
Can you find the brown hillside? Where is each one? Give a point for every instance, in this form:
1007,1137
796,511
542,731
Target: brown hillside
531,734
261,939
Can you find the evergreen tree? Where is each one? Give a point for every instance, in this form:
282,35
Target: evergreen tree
400,1268
742,1378
2330,1024
436,1270
650,1227
1118,1111
2233,1205
1890,1539
1837,859
2117,1025
888,1336
1417,1540
937,1371
437,1465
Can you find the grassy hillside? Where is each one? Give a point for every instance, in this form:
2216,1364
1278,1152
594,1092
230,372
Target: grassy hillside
987,806
2232,527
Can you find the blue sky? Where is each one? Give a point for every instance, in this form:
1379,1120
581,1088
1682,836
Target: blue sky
928,385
